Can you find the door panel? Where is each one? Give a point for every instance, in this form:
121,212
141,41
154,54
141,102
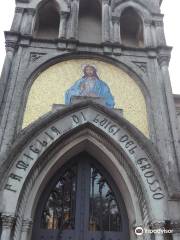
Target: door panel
81,203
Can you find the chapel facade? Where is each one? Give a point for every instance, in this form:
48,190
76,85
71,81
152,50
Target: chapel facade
89,137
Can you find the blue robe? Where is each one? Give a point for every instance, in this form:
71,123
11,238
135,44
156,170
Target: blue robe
100,89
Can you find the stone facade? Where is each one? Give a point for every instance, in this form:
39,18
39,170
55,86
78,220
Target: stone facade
25,164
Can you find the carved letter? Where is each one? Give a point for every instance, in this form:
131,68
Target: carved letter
146,167
75,119
47,134
34,150
124,138
9,188
43,143
112,128
149,174
55,130
128,144
96,120
103,122
15,177
158,196
141,160
131,151
22,165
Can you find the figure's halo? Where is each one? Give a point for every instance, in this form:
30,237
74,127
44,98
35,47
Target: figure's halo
83,66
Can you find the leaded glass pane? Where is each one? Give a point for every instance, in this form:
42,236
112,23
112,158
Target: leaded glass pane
59,211
104,211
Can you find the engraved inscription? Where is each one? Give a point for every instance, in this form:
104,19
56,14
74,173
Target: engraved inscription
127,143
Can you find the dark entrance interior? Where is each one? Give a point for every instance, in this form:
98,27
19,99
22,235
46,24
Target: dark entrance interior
81,202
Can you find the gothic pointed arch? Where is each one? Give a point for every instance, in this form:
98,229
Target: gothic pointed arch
90,21
131,26
47,20
125,153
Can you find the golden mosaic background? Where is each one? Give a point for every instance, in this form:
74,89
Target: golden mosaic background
51,85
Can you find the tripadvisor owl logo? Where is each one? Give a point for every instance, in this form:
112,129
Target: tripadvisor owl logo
139,231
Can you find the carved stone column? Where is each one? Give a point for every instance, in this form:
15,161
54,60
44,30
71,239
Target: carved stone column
11,44
164,58
63,24
161,40
26,229
105,21
157,226
147,33
72,32
176,230
29,21
17,19
116,28
8,222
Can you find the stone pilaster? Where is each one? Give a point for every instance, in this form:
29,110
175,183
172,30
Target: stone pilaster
72,32
158,226
17,19
11,45
8,222
147,33
163,59
29,21
63,24
26,228
105,21
176,230
161,41
116,29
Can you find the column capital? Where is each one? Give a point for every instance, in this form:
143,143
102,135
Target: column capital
175,225
11,40
164,56
31,11
64,14
19,10
147,22
158,23
27,225
115,19
8,220
157,225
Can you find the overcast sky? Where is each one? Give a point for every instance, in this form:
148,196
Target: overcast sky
172,29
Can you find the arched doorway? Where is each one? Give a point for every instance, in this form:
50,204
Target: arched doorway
81,202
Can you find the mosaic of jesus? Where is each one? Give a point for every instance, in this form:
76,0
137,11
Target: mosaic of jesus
90,85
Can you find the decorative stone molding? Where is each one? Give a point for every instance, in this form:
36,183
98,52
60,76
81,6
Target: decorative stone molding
11,40
158,23
142,66
115,19
35,56
157,225
176,226
164,60
27,225
8,221
164,56
147,22
31,11
19,10
11,46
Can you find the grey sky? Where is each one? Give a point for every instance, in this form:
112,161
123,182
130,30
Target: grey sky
169,7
